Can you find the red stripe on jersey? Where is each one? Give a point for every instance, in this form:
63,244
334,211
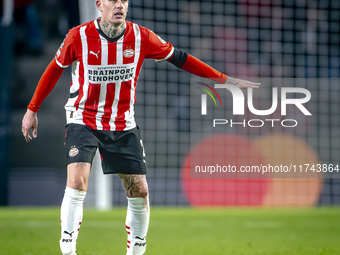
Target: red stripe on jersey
139,67
112,53
143,45
129,47
91,106
123,105
110,92
134,98
127,227
80,74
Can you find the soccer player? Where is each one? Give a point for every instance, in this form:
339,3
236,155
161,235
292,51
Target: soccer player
106,55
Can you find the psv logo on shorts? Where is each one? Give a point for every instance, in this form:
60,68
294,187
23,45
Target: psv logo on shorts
128,53
73,152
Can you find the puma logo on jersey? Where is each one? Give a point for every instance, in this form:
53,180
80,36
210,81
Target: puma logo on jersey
96,54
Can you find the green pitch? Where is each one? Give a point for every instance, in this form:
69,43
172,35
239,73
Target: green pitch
176,231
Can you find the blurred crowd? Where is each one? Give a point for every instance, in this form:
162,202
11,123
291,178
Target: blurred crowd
25,27
36,20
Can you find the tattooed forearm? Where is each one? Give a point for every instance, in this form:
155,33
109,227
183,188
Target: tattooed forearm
110,30
135,185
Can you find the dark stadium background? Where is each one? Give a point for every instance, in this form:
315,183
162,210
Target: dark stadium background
246,38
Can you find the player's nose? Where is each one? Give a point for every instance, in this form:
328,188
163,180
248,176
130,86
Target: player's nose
119,4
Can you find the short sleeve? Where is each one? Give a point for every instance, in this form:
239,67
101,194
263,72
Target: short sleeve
158,49
66,53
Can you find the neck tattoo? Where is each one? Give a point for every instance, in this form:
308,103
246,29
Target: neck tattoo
110,30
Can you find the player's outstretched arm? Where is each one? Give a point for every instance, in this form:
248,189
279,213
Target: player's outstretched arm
197,67
242,84
46,84
30,122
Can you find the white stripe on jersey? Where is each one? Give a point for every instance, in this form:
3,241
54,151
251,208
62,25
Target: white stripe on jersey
137,42
96,24
59,64
103,87
69,107
120,51
119,61
129,115
86,80
169,55
75,75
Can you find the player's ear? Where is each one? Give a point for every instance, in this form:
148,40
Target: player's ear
99,5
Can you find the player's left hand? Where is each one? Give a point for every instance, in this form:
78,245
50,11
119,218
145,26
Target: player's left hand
29,122
242,84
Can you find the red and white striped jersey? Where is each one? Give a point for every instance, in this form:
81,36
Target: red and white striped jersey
105,74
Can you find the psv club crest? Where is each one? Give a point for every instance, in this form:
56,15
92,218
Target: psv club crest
128,53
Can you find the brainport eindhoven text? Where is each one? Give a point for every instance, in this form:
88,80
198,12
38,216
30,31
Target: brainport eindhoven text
110,75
